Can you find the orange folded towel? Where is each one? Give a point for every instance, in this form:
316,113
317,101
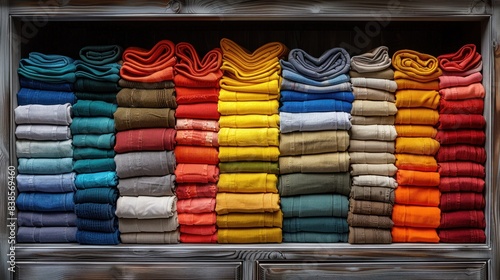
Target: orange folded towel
410,64
417,178
416,216
419,196
422,116
409,234
409,130
416,162
411,98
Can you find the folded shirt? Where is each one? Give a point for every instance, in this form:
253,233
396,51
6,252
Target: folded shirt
196,173
94,108
46,234
45,166
410,98
314,183
136,164
246,203
170,237
194,190
146,207
461,184
417,146
145,139
369,221
374,60
314,237
46,202
148,225
373,132
453,201
106,179
316,224
43,132
26,96
463,219
319,163
362,235
196,205
419,196
313,142
146,98
248,121
290,122
416,216
44,149
461,169
249,235
412,234
46,219
57,183
417,178
247,183
59,114
227,154
147,185
132,118
388,169
250,220
373,108
242,137
315,205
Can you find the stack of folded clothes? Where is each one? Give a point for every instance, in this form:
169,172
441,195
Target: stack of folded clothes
314,181
462,155
416,212
45,181
145,140
196,152
247,202
93,139
371,150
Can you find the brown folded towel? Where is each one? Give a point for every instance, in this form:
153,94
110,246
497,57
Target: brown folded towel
146,98
366,207
361,235
369,221
131,118
373,194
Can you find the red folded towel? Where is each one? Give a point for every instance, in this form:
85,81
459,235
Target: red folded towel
461,121
145,139
197,219
196,206
461,184
195,190
196,173
186,95
196,154
463,219
197,138
461,152
462,60
471,91
461,169
206,111
453,201
194,238
463,136
192,72
462,235
457,81
198,230
467,106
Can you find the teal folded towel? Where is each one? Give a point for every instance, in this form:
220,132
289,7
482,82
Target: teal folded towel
96,195
44,149
106,97
101,54
316,224
100,141
48,68
90,153
45,166
94,165
94,125
105,179
315,237
315,205
94,108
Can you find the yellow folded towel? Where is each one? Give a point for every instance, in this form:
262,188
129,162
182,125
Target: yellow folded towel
248,183
249,235
247,203
244,137
249,220
227,154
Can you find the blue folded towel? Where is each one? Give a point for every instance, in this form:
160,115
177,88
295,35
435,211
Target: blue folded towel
27,96
45,166
100,211
46,202
46,219
105,179
97,238
30,83
46,234
89,85
57,183
290,95
320,105
97,225
97,195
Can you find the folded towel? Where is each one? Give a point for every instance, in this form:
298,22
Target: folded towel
464,59
381,84
419,196
466,106
43,132
411,234
205,111
461,121
388,169
190,95
381,194
331,63
197,155
459,81
453,201
320,105
146,207
410,64
461,184
226,95
197,138
45,202
409,130
462,235
194,190
196,124
416,162
313,142
101,141
59,114
46,234
290,122
366,207
299,78
132,118
246,203
171,237
248,107
147,185
465,136
196,173
250,220
106,179
373,108
369,221
249,167
248,121
248,183
96,195
371,146
289,95
242,137
51,68
320,163
314,237
94,165
45,166
409,98
196,205
105,73
422,116
44,149
461,169
471,91
97,238
101,54
233,52
46,219
463,219
315,224
202,73
196,238
364,93
197,219
91,85
374,181
198,230
146,98
26,96
149,225
382,120
374,60
135,164
267,84
372,158
145,139
248,154
100,96
314,183
416,216
461,152
145,85
93,108
109,226
249,235
154,65
93,125
37,84
92,153
58,183
298,86
98,211
361,235
315,205
417,178
417,146
373,132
